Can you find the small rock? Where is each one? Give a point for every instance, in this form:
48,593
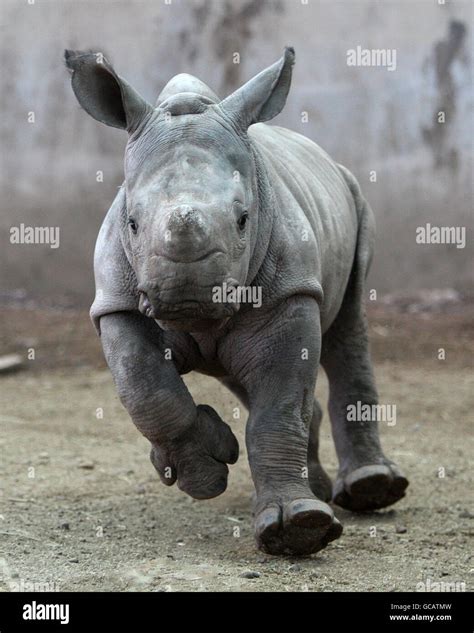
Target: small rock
64,526
295,567
400,529
250,574
73,560
86,465
141,490
465,514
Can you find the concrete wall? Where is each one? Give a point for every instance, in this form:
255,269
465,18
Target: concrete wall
368,118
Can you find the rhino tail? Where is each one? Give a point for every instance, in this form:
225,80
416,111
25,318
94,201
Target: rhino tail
365,235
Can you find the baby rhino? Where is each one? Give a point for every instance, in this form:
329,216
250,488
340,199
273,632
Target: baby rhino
217,208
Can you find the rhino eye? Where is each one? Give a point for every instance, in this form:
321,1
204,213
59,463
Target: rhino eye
133,225
242,221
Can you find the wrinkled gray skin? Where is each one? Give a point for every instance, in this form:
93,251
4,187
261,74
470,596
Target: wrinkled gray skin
212,195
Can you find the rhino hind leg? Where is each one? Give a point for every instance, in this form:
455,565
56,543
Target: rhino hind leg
367,480
319,481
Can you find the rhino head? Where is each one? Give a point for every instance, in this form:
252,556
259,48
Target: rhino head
191,183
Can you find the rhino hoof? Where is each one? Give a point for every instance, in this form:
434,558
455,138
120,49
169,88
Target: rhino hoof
370,488
300,527
206,484
198,460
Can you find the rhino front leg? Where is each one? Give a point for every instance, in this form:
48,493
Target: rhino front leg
275,359
367,480
190,445
319,481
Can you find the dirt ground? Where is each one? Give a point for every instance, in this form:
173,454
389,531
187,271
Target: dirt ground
82,508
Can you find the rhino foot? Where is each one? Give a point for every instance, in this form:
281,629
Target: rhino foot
198,460
370,487
299,527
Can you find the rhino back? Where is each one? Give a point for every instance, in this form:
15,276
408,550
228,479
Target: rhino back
315,225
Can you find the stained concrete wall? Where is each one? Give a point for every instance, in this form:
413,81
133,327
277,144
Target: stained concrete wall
368,118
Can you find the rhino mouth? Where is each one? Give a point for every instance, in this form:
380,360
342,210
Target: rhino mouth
191,310
191,325
187,314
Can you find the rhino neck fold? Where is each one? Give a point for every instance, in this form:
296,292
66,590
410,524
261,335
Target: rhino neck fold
265,205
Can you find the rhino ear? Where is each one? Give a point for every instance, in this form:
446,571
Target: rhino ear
264,96
102,93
